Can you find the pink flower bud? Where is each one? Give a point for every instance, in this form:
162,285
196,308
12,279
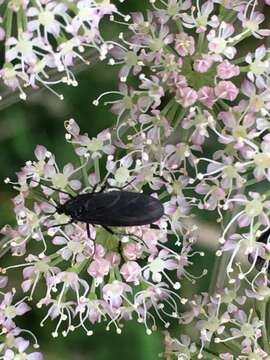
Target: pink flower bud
226,70
206,96
99,268
226,90
186,97
131,271
132,251
203,64
184,44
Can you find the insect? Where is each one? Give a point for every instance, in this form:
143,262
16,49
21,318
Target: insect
112,208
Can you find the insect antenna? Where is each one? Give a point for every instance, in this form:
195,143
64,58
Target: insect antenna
45,199
107,185
53,188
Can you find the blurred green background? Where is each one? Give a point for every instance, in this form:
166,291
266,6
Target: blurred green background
39,120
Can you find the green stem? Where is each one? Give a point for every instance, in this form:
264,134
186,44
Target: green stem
267,194
163,194
9,17
78,268
179,118
244,69
238,38
21,20
172,112
201,42
224,105
261,306
239,60
219,271
179,26
167,108
84,173
97,171
232,343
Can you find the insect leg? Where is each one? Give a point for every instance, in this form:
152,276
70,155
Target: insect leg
52,188
94,188
88,230
123,187
108,229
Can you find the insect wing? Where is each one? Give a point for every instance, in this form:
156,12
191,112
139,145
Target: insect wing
118,208
135,209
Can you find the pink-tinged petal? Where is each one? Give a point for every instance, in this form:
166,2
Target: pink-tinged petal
186,96
207,8
65,253
33,25
40,152
59,240
202,188
28,271
9,355
258,174
11,54
32,12
49,171
263,32
206,96
260,52
47,208
3,281
226,90
248,88
171,264
68,169
131,271
243,220
22,344
75,184
35,356
8,298
202,65
26,285
226,70
22,308
99,268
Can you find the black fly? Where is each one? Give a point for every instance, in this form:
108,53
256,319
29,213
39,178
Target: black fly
112,208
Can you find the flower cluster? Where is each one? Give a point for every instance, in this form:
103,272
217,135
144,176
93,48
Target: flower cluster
194,132
193,88
45,36
201,109
224,328
13,345
90,274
